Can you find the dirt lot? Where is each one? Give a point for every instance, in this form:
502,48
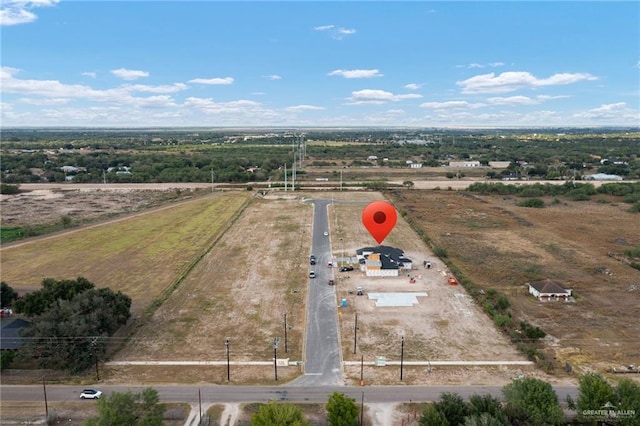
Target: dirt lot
502,246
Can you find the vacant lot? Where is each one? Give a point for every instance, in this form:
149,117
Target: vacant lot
253,271
141,256
499,245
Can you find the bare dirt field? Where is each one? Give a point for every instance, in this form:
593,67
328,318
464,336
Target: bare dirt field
502,246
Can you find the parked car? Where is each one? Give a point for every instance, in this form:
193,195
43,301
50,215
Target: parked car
346,268
326,233
332,282
312,260
312,274
90,394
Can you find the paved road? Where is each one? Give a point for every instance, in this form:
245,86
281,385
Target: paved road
323,358
230,394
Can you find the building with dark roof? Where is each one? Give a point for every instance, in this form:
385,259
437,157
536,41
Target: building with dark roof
383,261
548,290
10,338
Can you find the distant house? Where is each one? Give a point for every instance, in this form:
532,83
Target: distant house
382,261
10,338
499,164
415,165
602,176
464,164
548,290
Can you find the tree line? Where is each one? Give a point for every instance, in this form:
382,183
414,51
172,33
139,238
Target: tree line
70,322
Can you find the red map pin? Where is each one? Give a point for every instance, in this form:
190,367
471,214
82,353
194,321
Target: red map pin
379,218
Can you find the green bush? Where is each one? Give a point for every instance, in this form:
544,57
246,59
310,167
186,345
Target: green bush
532,202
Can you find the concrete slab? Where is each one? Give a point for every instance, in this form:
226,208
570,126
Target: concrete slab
396,299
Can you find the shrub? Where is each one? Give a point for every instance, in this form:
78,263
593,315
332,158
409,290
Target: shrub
532,202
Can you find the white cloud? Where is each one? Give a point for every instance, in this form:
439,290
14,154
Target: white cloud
273,77
610,113
45,101
377,97
412,86
337,33
210,106
56,90
165,88
15,12
126,74
89,74
303,108
477,65
514,80
452,105
212,81
513,100
356,73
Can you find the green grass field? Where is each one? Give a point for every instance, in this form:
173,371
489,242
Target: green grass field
142,256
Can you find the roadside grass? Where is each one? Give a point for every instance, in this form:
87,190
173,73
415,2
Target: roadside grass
141,256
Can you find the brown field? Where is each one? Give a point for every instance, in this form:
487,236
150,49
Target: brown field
499,245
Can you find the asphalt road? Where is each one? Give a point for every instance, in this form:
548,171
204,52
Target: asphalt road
323,359
230,394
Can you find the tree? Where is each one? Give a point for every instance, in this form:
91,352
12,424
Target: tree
74,334
593,393
7,295
481,404
431,416
484,419
408,184
52,291
532,401
139,409
281,414
342,410
628,398
453,407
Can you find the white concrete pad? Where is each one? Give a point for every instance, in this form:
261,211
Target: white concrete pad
396,299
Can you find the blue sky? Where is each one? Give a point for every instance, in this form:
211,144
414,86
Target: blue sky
329,63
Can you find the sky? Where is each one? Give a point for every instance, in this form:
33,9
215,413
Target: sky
451,64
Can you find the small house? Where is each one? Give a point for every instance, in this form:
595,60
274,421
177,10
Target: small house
549,291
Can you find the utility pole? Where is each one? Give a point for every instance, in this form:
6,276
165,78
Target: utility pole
46,405
227,342
94,343
285,177
362,410
355,335
275,357
401,355
286,349
212,179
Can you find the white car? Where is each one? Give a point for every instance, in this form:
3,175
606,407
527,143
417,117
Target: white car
312,274
326,233
90,394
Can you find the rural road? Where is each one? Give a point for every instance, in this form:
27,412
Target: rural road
323,359
230,394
